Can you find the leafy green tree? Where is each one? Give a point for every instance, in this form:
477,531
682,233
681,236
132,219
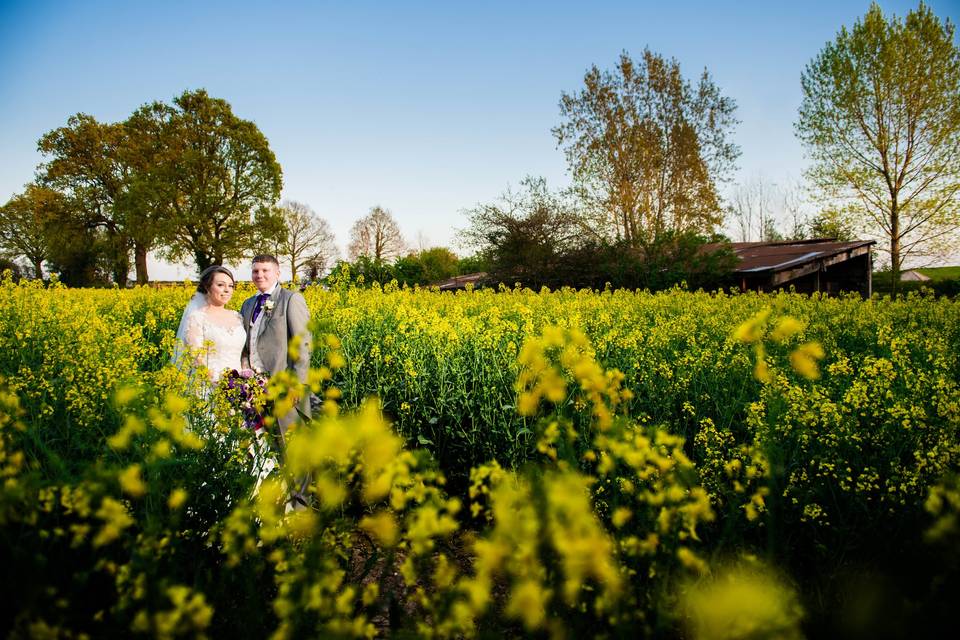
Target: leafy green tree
409,270
372,270
224,180
439,263
524,233
880,118
474,263
646,148
151,185
117,178
79,254
832,223
427,266
25,223
86,165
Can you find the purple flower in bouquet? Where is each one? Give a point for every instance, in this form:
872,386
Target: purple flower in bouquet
246,394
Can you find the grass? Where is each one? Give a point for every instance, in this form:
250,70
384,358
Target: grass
934,273
941,273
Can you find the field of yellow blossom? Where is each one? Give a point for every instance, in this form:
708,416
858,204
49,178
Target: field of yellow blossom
565,464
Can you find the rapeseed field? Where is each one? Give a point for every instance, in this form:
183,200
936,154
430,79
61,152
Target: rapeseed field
563,464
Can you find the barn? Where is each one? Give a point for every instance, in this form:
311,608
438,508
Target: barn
809,266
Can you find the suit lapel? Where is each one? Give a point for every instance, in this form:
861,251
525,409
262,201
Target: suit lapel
246,310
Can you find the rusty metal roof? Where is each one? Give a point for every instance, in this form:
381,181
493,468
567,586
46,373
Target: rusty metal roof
757,257
460,282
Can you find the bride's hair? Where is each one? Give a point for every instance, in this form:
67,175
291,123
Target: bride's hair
206,277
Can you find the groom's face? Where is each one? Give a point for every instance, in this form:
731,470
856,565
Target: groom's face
265,275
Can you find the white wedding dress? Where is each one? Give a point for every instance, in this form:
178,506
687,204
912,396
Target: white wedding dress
217,344
214,344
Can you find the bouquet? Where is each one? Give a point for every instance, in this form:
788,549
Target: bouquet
244,404
245,393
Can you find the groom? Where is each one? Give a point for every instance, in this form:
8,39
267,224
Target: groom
272,318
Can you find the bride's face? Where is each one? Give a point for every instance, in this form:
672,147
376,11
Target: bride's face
220,290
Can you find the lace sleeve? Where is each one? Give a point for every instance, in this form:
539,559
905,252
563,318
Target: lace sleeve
194,337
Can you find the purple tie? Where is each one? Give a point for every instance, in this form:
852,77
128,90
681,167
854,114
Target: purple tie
256,310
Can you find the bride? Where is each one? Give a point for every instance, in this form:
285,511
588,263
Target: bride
211,337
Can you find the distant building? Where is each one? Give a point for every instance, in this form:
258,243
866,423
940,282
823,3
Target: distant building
809,266
460,282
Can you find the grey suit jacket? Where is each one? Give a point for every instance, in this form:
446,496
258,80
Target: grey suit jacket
288,318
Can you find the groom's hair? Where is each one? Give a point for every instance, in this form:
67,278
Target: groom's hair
266,257
206,277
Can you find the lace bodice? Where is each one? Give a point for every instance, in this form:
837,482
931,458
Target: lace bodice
215,345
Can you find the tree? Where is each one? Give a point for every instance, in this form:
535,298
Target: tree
439,263
148,199
25,223
114,175
365,268
376,236
307,241
646,148
752,207
79,255
673,258
409,270
524,234
475,263
86,164
880,118
795,211
427,266
832,223
762,211
224,180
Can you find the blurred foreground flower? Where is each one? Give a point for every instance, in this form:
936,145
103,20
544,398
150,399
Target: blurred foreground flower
746,600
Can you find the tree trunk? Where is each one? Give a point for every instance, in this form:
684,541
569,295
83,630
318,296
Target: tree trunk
140,260
38,269
894,248
202,259
118,256
121,273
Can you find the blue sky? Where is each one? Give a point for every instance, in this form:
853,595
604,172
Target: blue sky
425,108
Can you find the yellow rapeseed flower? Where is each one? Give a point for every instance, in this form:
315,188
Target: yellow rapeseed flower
804,360
745,601
177,498
130,481
528,602
382,526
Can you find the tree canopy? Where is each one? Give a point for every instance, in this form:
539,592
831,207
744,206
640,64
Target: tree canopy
306,241
191,179
225,180
646,148
880,118
376,236
524,233
26,221
88,163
